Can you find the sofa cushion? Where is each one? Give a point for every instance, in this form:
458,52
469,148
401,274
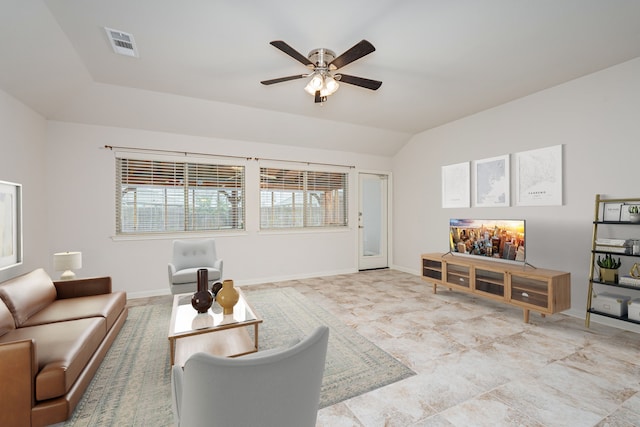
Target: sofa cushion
63,350
6,319
27,294
108,306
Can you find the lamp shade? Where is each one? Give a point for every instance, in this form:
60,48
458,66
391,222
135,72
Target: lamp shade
67,261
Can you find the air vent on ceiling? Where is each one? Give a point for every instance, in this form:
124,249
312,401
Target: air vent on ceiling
121,42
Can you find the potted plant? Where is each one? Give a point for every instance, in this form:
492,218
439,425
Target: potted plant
634,213
609,268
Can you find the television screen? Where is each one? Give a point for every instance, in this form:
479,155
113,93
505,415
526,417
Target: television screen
491,238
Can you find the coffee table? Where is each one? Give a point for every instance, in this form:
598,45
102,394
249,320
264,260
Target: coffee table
211,332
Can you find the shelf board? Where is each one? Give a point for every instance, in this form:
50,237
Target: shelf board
624,318
595,251
617,285
616,222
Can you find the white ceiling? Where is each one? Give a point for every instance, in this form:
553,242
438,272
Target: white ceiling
201,62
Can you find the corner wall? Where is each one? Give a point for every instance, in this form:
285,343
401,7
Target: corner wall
596,118
22,154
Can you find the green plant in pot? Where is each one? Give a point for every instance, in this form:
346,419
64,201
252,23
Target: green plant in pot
609,268
634,213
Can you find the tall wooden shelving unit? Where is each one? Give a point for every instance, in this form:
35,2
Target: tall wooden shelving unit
599,220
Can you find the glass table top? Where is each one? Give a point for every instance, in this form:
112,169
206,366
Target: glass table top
185,319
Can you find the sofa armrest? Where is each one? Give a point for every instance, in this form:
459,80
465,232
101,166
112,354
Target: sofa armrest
18,370
83,287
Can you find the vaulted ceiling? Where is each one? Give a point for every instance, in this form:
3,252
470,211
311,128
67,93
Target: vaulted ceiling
201,62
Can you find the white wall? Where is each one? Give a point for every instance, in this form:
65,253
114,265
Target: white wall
597,120
81,213
22,149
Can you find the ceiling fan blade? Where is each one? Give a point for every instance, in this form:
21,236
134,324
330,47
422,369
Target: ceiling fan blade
359,81
283,79
291,52
356,52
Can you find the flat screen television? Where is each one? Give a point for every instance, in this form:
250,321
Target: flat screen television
499,239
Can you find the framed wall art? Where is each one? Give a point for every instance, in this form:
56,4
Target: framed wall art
456,191
491,183
10,224
539,177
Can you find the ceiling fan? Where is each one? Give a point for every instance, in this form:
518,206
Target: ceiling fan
324,80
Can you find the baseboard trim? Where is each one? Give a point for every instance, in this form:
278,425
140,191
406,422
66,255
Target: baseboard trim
251,282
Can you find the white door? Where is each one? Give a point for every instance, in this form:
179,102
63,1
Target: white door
372,221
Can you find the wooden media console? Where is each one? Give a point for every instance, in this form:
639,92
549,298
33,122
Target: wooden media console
533,289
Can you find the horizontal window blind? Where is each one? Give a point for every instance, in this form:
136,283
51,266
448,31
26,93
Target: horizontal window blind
300,199
164,196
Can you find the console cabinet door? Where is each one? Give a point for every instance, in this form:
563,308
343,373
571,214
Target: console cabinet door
490,283
530,291
458,275
432,269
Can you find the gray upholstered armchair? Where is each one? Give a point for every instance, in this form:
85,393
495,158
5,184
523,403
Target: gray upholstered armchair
188,257
271,388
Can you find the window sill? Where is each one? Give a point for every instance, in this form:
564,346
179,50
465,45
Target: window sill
174,236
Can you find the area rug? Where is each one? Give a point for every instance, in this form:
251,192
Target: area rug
354,365
132,386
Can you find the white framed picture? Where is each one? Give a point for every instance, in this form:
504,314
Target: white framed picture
611,211
539,177
10,224
491,184
456,186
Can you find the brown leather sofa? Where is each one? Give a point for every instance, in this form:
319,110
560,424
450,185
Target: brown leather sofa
53,337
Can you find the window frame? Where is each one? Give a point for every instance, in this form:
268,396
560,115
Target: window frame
291,182
187,188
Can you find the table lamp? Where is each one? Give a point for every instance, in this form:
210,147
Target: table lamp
67,261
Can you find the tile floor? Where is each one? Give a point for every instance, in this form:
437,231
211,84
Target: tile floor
477,363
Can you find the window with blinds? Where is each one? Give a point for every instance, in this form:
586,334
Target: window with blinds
172,197
302,199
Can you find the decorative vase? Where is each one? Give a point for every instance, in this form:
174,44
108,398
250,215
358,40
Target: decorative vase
634,217
609,275
227,297
215,288
202,299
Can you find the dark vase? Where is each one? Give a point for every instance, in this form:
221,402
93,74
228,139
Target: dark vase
202,299
215,288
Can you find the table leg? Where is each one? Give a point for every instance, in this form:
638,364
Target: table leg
256,335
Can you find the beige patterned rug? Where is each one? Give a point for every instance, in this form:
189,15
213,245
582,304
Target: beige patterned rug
132,386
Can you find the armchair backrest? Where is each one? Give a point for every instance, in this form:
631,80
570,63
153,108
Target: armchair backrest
278,389
194,253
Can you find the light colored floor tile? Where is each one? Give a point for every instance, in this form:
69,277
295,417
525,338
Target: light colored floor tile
548,405
483,411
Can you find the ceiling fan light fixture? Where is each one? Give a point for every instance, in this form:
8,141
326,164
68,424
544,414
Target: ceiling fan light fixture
323,62
323,82
316,83
330,86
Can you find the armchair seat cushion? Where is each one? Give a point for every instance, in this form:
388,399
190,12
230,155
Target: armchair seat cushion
190,275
